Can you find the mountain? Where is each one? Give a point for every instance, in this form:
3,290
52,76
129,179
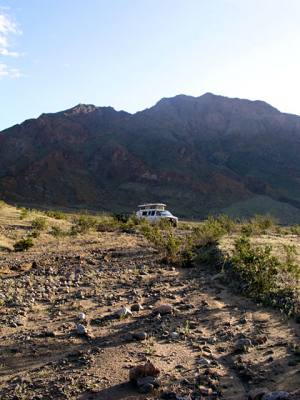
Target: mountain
200,155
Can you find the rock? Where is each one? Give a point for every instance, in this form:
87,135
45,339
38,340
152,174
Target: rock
48,333
147,388
243,320
205,391
147,384
163,309
174,335
281,395
243,345
257,394
169,396
139,336
136,307
82,316
204,362
141,371
81,329
123,312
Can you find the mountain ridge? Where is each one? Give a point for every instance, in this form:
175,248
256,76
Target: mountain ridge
199,154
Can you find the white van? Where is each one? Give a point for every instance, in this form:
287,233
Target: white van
154,212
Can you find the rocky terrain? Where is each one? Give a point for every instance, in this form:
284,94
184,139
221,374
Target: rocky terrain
201,155
80,313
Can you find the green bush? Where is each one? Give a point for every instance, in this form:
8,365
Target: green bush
34,234
39,223
57,232
55,214
257,267
24,212
83,224
23,244
258,225
198,245
295,230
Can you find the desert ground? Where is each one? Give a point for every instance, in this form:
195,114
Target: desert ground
205,340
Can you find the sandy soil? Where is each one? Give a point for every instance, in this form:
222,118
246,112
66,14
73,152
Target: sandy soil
44,290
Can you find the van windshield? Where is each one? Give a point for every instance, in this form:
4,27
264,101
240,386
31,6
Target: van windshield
165,213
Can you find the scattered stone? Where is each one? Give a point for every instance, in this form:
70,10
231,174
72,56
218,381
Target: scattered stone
81,329
123,312
136,307
257,394
174,335
141,371
203,362
169,396
205,391
243,320
139,336
243,345
81,316
281,395
163,309
146,388
147,384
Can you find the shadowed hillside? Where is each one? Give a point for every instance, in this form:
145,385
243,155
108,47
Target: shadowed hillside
200,155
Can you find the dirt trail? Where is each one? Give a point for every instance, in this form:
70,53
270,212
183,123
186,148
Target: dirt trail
214,342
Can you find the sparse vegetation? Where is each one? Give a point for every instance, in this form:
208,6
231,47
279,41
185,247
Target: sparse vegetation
260,224
264,276
55,214
83,224
39,223
24,212
57,232
23,244
2,204
295,230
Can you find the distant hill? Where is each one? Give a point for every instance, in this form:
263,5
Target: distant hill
200,155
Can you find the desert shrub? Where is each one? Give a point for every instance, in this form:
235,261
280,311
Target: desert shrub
198,245
34,234
121,217
23,244
208,232
131,225
264,222
2,204
108,224
261,273
225,222
83,224
258,225
295,230
256,266
57,232
39,223
55,214
24,212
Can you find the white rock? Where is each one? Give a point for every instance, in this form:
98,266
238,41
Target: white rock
82,316
123,312
174,335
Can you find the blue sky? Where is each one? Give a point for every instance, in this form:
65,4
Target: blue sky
128,54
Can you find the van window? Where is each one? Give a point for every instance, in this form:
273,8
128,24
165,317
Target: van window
152,213
144,213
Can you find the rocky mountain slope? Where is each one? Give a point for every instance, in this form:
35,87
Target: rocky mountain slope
201,155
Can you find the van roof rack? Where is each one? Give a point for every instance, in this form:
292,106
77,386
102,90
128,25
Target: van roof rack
155,206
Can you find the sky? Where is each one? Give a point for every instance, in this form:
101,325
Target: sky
129,54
